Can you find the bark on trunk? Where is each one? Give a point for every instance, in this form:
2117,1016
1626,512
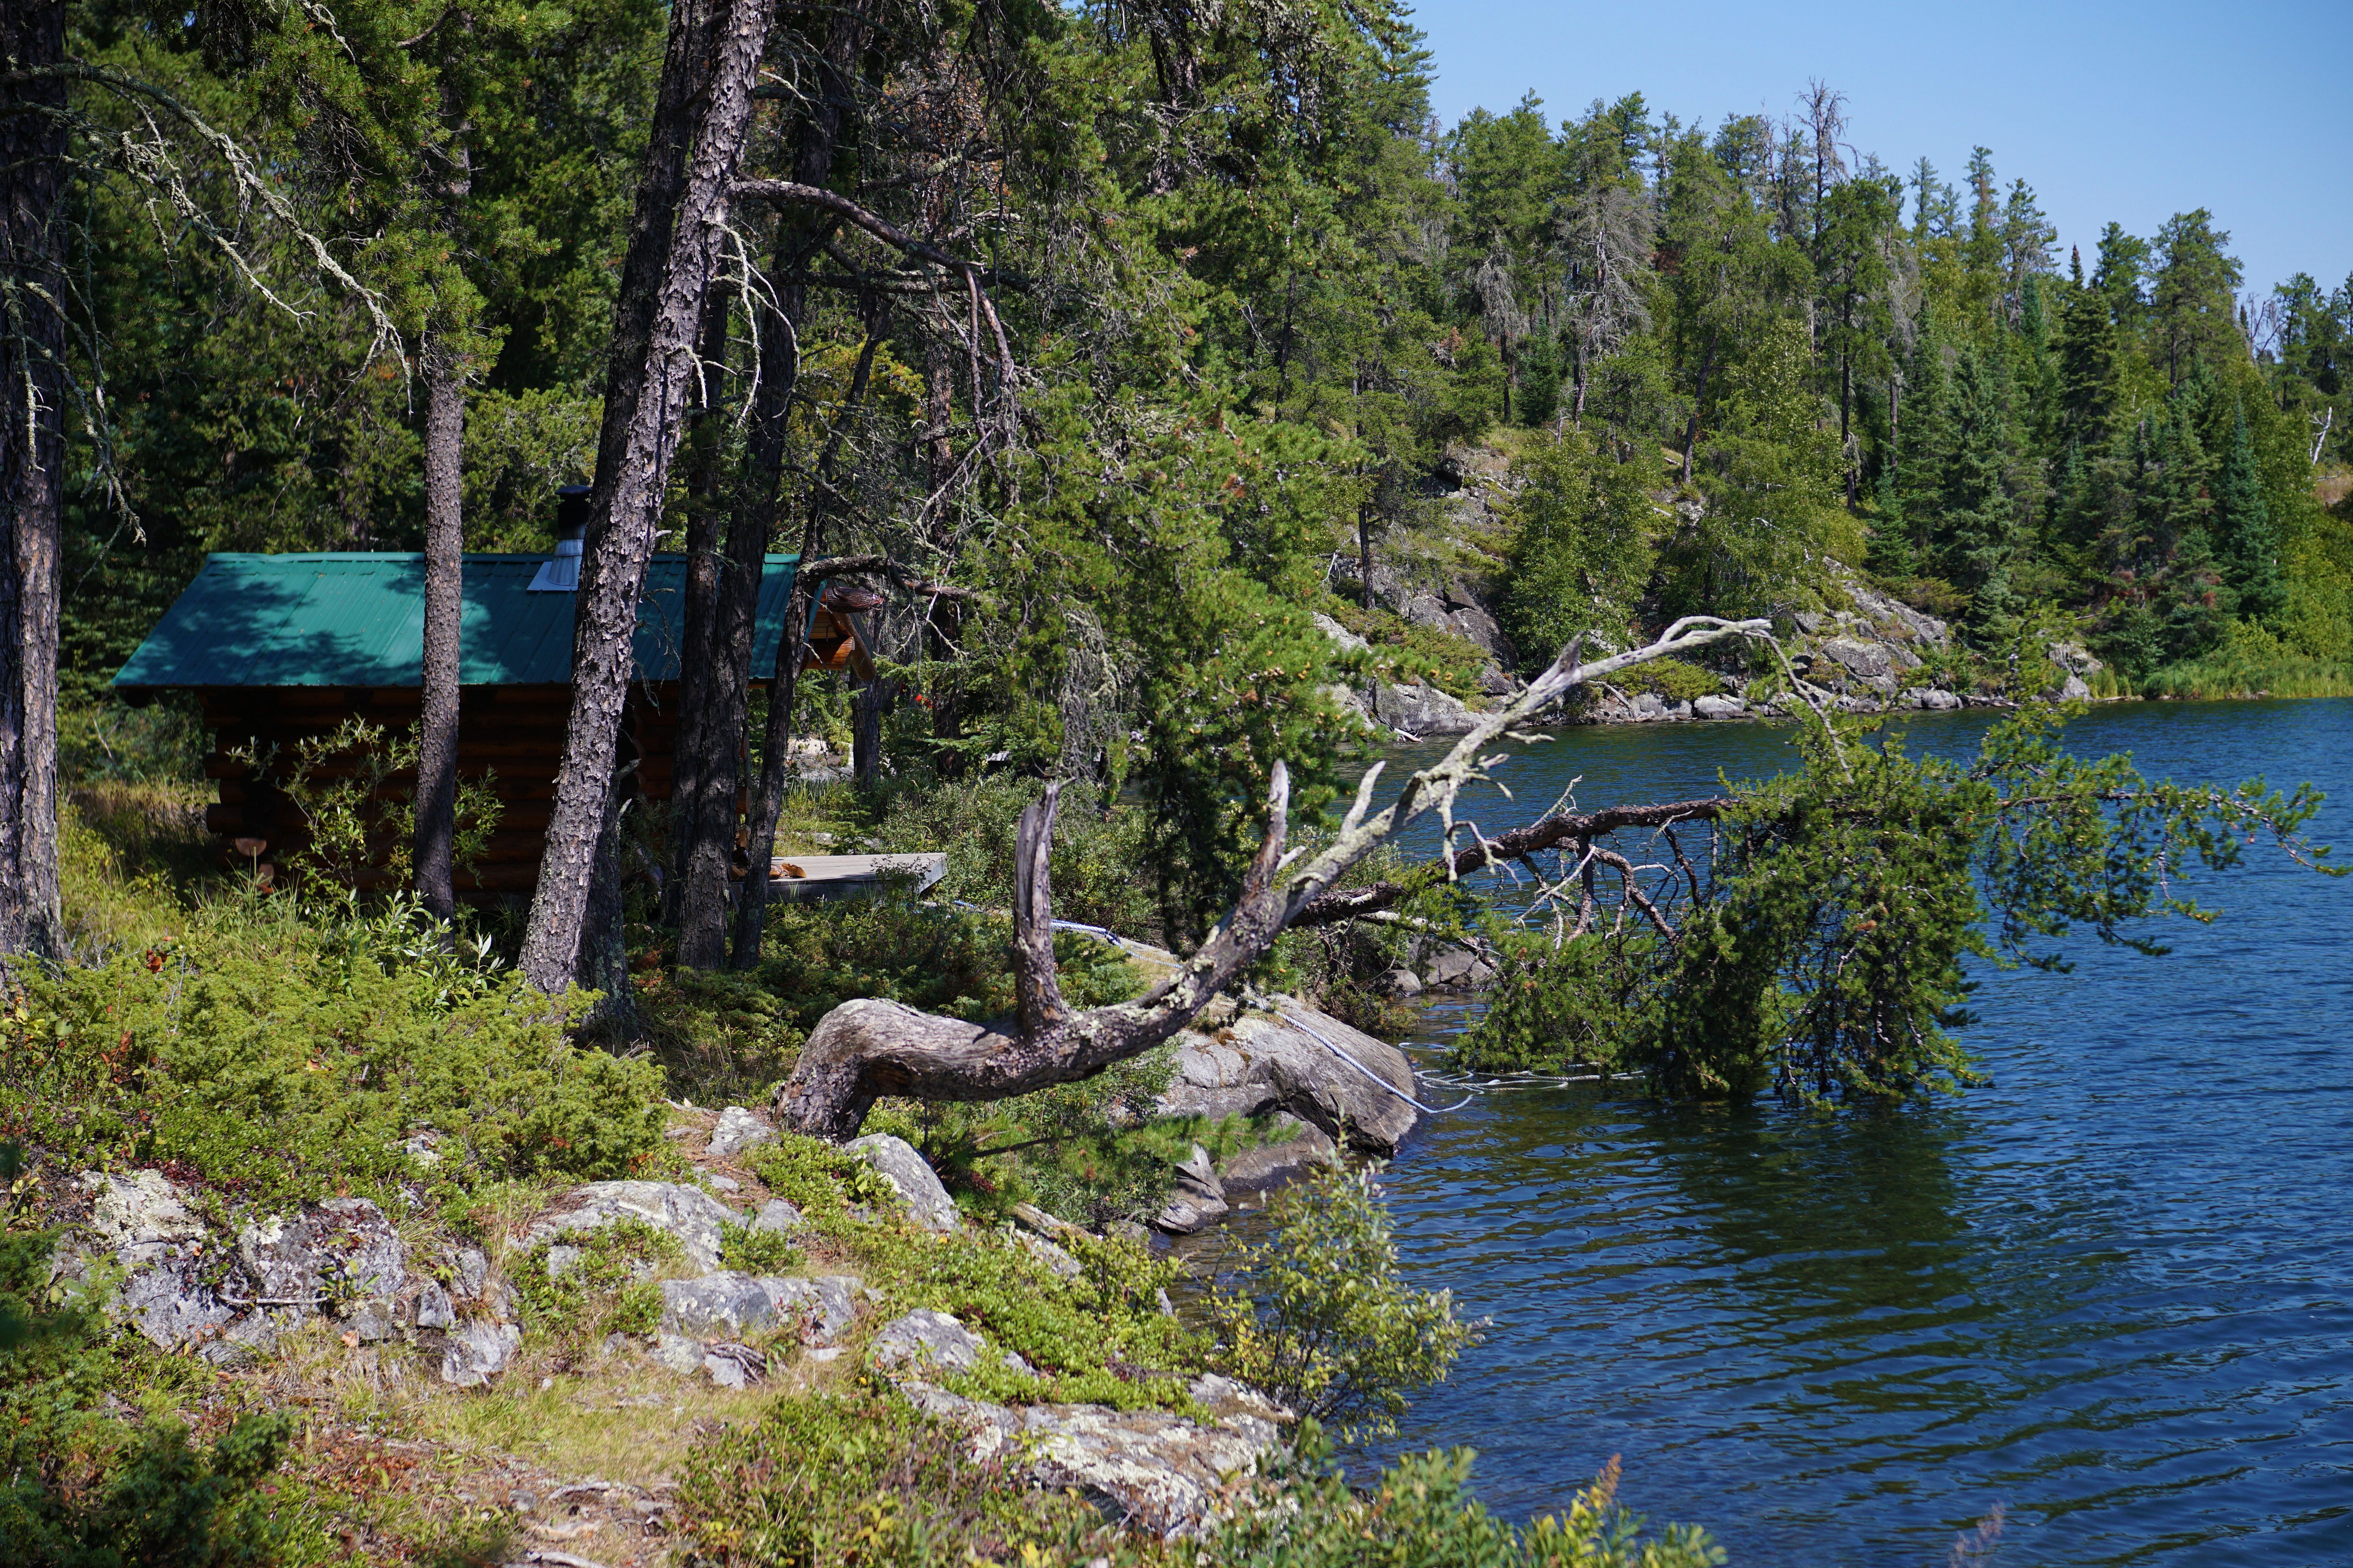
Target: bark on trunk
32,465
866,732
436,744
702,112
699,680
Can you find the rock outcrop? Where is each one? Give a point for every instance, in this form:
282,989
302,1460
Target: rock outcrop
689,1214
1149,1469
1296,1060
907,1171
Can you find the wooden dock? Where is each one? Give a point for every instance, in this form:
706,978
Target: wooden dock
815,879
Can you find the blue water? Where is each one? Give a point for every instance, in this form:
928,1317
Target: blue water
2113,1292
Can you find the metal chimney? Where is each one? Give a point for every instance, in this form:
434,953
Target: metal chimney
560,574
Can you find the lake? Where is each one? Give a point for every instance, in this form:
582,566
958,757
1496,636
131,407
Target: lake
2113,1292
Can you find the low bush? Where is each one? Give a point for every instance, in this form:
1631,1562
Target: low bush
866,1479
1320,1318
1100,1338
275,1056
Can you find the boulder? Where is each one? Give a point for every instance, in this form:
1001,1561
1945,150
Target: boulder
432,1309
1196,1199
1046,1252
905,1170
736,1131
1865,661
724,1303
2075,658
1720,708
1473,623
342,1250
1340,636
1276,1164
1240,1063
1428,610
2074,690
1459,969
1149,1469
779,1215
734,1304
139,1217
477,1352
926,1338
689,1214
1932,698
1400,982
824,1307
1419,709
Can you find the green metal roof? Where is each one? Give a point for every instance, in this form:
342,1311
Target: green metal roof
345,619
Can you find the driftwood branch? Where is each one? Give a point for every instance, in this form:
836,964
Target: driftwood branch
865,1049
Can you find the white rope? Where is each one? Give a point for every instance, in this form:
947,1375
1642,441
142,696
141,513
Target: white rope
1315,1034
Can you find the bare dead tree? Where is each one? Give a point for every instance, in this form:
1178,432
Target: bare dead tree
1605,238
865,1049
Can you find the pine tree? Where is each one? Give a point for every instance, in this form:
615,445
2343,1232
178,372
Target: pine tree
2245,547
1979,527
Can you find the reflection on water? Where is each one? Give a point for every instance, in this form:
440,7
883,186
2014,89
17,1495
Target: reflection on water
2113,1291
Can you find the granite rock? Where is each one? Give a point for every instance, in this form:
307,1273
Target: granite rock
905,1170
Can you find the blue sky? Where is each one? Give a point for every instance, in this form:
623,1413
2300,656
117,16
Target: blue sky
2110,111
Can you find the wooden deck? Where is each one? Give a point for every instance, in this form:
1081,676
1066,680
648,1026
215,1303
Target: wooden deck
813,878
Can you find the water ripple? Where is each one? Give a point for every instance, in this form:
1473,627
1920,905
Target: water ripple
2113,1292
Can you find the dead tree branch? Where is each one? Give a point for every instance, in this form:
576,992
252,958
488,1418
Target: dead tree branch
865,1049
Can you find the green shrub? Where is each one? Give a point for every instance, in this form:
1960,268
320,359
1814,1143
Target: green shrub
866,1479
1322,1321
1421,1512
1403,650
1101,1338
751,1250
277,1058
605,1289
1670,679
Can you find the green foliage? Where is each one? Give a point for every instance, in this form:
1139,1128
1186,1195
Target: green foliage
280,1058
355,787
167,1506
1322,1320
1581,549
1404,650
754,1251
867,1479
602,1290
1824,961
1098,1338
1421,1512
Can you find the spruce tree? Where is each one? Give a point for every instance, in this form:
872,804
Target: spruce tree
2244,545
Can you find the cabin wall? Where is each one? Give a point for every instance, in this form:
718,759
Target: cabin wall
513,735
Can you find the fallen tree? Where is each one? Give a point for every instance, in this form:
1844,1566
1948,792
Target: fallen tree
863,1050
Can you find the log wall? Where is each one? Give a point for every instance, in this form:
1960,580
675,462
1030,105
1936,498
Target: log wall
513,734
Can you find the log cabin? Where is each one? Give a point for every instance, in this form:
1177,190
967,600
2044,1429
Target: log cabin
277,648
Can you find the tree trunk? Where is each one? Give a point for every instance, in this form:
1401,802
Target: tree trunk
702,114
603,966
866,732
863,1050
32,473
1364,551
700,678
436,744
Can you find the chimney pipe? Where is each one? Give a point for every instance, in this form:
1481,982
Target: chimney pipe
560,574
